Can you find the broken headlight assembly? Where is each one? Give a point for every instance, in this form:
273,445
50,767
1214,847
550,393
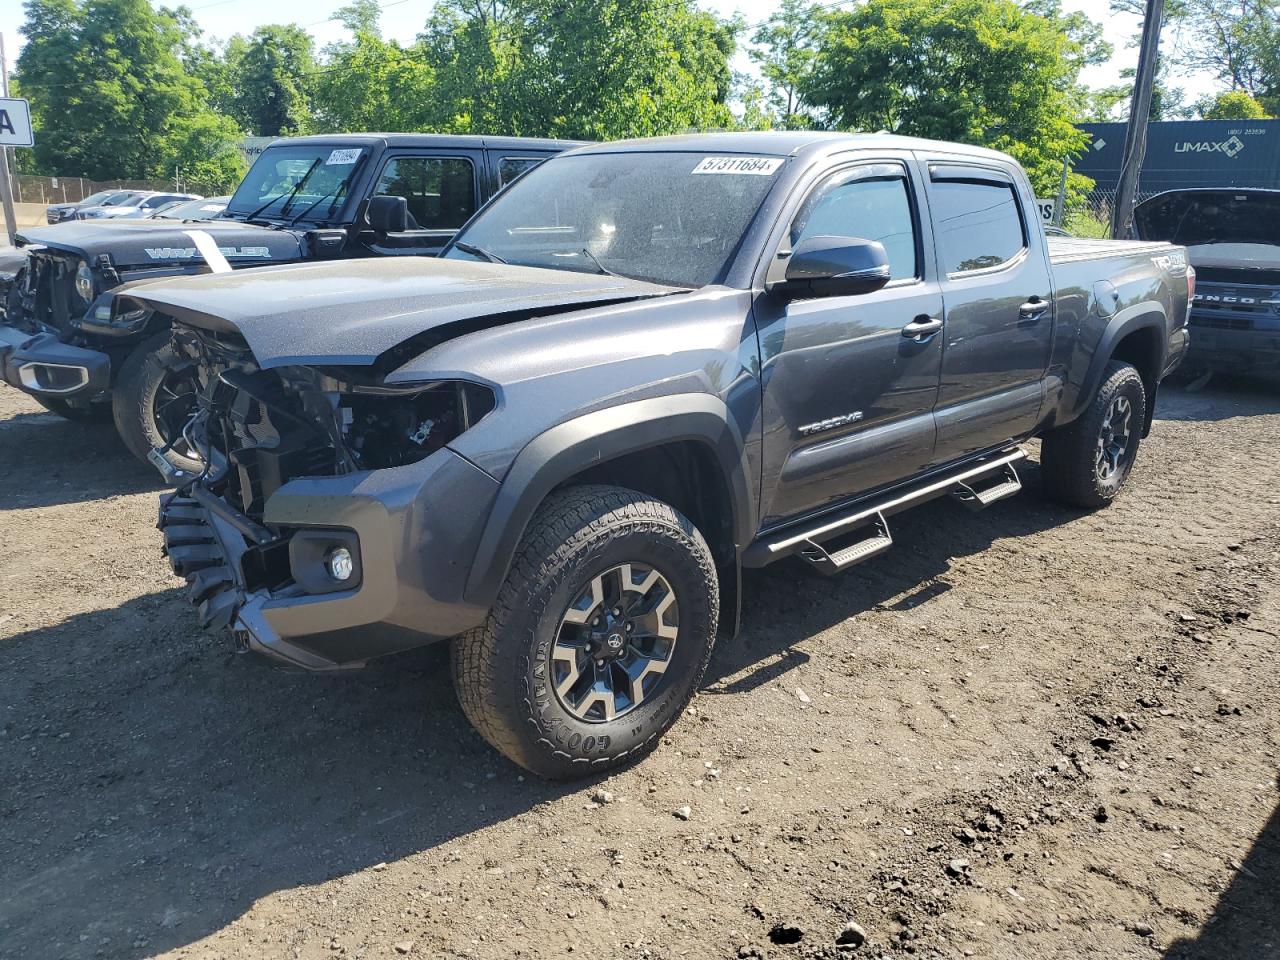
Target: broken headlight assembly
394,426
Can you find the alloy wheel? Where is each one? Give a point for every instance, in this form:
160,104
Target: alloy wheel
615,642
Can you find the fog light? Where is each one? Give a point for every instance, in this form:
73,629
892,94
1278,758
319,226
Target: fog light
340,564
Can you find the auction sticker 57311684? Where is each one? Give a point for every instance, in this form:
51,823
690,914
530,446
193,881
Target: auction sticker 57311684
753,166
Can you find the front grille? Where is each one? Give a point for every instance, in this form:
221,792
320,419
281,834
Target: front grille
47,300
1222,323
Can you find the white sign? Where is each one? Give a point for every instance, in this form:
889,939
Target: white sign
15,124
753,166
1047,209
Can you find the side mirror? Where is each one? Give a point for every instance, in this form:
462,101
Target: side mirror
387,214
834,267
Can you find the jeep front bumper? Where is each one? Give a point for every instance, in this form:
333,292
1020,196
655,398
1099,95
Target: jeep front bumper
411,531
42,365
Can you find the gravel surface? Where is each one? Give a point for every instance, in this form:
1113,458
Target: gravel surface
1024,733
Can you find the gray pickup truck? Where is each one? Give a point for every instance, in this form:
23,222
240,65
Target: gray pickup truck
644,367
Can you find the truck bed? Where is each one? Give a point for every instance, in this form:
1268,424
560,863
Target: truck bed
1071,249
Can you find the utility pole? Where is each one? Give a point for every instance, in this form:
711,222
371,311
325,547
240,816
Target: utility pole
1135,140
6,185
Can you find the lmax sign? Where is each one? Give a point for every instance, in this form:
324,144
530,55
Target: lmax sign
15,123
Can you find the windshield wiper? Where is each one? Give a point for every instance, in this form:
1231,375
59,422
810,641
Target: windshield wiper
289,196
341,185
475,251
600,266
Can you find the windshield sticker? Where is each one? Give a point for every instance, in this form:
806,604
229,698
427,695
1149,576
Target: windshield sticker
340,157
754,166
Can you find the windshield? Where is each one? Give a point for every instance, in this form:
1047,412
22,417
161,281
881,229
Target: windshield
98,197
192,209
672,218
291,180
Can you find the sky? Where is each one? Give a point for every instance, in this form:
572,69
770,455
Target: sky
402,19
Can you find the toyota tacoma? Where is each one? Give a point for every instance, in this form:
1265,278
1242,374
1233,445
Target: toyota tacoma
644,367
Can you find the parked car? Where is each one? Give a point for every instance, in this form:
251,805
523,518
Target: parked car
57,212
205,209
141,204
311,198
1232,236
643,367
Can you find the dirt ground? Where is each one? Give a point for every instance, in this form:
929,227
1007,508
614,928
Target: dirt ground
1025,733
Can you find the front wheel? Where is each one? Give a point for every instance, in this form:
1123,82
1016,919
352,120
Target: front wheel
1086,463
599,637
155,395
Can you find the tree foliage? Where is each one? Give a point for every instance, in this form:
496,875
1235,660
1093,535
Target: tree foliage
273,70
987,72
1234,105
111,95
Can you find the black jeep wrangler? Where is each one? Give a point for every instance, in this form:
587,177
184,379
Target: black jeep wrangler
311,198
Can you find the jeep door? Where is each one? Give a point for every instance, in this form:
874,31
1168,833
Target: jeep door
997,290
849,382
442,190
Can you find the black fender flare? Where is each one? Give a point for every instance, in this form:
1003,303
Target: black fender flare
571,447
1140,316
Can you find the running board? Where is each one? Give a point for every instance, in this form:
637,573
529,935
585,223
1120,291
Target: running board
876,541
976,497
972,485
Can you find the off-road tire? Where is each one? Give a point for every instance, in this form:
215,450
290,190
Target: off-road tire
133,402
501,668
1068,455
94,413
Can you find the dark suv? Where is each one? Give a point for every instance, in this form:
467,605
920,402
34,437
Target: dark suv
311,198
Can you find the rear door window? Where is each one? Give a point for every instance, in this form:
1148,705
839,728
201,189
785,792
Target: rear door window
511,167
440,191
978,224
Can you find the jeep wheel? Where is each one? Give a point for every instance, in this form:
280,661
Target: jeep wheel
599,637
153,400
1086,463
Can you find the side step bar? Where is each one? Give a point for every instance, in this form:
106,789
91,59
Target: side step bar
837,543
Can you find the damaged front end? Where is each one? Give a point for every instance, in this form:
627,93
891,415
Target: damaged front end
311,517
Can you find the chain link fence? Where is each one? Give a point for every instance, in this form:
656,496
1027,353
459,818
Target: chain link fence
1090,216
30,189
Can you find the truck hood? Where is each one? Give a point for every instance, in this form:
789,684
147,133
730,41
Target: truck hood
355,312
135,243
1207,217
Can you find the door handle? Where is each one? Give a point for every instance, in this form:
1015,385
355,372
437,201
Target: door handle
921,328
1033,309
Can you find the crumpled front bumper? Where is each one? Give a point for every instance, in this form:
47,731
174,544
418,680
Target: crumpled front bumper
42,365
414,530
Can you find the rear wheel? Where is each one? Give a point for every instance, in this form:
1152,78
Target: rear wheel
154,398
1086,463
599,637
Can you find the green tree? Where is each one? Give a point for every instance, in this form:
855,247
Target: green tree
986,72
370,84
110,92
272,72
1238,41
784,48
595,69
1233,105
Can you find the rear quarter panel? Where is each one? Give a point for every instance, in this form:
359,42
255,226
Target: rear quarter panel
1103,290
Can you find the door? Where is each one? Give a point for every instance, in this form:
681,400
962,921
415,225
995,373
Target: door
997,291
849,385
442,193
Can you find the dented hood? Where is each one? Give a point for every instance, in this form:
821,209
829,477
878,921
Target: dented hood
352,312
133,243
